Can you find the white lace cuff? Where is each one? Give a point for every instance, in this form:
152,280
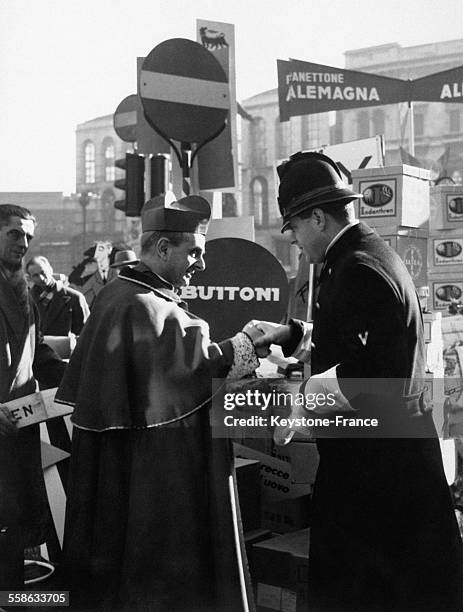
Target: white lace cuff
244,356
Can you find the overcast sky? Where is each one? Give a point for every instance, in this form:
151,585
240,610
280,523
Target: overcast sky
63,62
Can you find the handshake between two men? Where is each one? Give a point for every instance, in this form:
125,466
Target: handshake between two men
295,340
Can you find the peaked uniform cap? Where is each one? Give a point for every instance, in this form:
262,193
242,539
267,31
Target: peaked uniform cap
307,180
190,214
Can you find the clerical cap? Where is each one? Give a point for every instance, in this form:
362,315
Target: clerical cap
308,180
190,214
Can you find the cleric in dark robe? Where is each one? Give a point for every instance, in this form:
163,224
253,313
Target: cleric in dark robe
152,519
383,532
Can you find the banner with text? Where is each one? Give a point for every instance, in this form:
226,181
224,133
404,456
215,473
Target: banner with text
446,86
305,88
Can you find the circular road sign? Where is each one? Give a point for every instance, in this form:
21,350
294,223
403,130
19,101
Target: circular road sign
125,118
184,91
242,281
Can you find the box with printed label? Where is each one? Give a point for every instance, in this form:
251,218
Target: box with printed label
445,289
395,195
446,251
446,202
280,572
412,245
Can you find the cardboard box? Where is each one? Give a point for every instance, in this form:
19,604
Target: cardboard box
412,245
444,288
432,327
395,195
434,345
280,572
446,252
248,483
446,203
287,515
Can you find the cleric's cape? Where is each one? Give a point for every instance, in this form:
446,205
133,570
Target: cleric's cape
152,519
142,360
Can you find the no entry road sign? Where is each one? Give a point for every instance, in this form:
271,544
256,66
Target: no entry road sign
184,91
125,118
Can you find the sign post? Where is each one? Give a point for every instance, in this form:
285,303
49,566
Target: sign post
125,118
184,94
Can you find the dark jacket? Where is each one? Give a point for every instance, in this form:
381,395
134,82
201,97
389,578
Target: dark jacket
66,312
24,361
384,535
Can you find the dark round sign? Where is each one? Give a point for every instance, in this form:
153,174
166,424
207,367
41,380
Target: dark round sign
242,281
125,118
184,91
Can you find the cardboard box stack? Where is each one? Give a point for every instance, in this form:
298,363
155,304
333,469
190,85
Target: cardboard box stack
280,570
445,258
286,482
396,203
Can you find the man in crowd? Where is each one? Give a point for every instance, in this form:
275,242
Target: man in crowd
102,273
152,520
23,501
123,258
383,534
61,309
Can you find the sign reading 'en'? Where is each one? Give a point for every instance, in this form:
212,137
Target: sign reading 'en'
304,88
242,281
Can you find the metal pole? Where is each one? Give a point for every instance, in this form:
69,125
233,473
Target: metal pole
186,165
411,124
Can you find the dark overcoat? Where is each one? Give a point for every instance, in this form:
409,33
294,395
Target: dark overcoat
66,312
24,509
151,520
384,535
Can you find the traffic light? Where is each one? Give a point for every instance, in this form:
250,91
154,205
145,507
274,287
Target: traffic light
133,184
159,167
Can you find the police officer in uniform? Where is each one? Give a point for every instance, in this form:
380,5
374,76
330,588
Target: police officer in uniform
383,534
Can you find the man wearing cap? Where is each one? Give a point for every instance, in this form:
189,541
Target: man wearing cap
152,521
62,310
124,258
383,534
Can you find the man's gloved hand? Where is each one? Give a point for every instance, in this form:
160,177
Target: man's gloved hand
8,423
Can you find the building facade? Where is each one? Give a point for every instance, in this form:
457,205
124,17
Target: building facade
97,149
438,132
438,126
57,230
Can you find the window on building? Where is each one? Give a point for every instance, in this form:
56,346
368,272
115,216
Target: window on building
418,121
89,162
363,124
283,138
258,143
379,122
454,121
259,201
108,160
311,131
